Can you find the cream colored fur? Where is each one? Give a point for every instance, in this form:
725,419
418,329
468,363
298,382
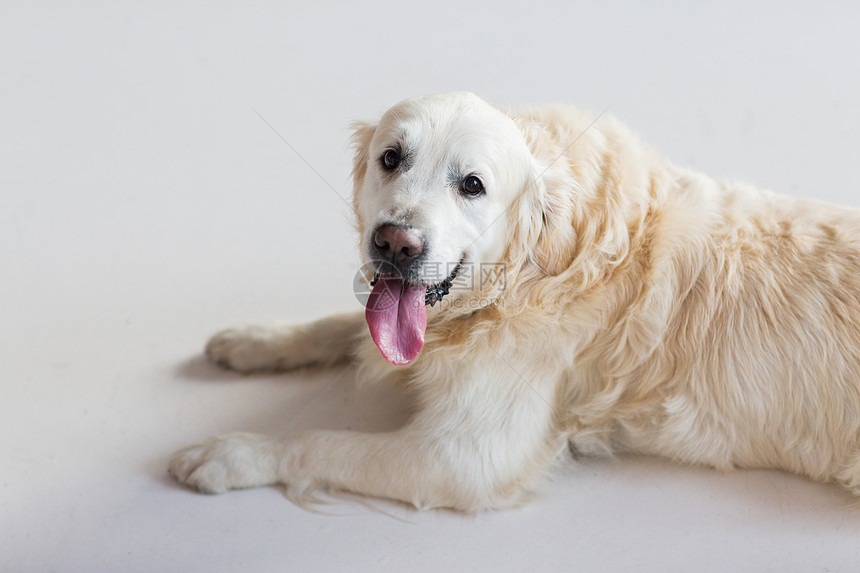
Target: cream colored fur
647,308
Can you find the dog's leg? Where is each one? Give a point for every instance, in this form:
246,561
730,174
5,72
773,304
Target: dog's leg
255,348
460,453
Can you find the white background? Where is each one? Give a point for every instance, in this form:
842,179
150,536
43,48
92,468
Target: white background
144,205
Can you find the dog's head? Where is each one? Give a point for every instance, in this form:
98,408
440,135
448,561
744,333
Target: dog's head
434,179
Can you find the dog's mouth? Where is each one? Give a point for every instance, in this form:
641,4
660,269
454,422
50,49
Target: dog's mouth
435,292
396,313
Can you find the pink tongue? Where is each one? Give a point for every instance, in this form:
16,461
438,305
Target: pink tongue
397,319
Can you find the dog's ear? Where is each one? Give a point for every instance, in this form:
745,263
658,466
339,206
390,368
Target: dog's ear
362,134
552,241
583,224
573,214
544,236
557,239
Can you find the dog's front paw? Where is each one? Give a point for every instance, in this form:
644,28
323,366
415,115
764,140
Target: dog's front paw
222,463
250,348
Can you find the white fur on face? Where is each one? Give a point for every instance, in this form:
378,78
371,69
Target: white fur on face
443,139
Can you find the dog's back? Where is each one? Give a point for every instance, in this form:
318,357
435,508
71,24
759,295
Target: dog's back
730,332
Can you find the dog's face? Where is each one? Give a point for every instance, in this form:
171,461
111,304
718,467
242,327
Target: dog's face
434,179
440,173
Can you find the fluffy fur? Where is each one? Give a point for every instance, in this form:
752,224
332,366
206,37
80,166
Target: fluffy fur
646,308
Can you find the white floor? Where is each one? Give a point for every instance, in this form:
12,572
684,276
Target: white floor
144,204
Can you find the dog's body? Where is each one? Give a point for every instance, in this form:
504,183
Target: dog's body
646,308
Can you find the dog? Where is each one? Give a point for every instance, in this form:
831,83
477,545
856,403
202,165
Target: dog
636,307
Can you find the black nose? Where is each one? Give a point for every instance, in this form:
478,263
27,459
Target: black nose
398,245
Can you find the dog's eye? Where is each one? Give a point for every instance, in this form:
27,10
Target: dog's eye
471,186
390,159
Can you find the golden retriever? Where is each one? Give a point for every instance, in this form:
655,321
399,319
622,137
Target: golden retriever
543,281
